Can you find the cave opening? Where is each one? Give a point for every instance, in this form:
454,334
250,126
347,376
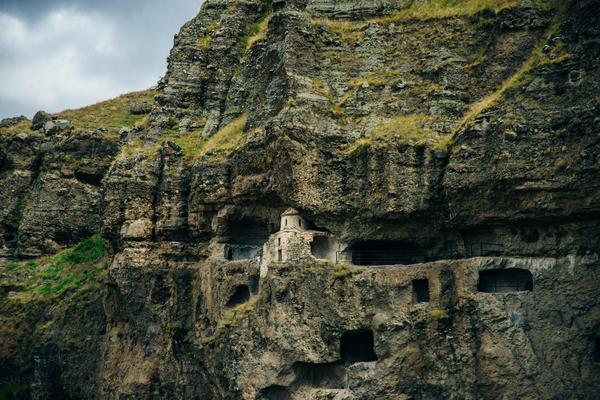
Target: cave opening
386,252
358,346
420,290
88,178
597,350
244,239
505,280
250,231
275,392
239,296
235,252
323,248
327,375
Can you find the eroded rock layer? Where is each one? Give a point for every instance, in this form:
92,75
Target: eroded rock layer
471,136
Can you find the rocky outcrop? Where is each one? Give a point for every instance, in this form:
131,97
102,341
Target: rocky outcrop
51,190
471,135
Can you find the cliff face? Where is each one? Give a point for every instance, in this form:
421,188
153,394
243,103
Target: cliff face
469,132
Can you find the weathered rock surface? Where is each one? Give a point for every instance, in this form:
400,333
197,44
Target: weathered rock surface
39,119
8,122
515,188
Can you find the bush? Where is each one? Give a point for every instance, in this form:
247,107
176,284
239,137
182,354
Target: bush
88,251
439,314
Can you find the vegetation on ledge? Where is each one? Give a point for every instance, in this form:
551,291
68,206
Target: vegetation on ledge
38,293
403,129
111,114
70,269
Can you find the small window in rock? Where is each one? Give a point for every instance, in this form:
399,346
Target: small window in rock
299,222
279,241
286,222
597,350
505,280
229,253
239,296
357,346
386,252
279,255
421,290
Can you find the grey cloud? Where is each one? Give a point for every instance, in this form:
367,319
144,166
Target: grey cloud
64,54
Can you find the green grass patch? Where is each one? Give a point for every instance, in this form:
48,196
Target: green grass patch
111,114
228,138
400,130
341,271
52,276
23,126
257,32
350,33
439,314
521,76
222,143
8,391
204,42
434,9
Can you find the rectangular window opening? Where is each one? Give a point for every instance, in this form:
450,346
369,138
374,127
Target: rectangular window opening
420,290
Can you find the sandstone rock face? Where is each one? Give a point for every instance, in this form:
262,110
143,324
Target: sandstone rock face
472,139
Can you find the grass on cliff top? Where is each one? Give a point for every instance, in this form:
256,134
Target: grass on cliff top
71,269
402,129
352,32
110,114
433,9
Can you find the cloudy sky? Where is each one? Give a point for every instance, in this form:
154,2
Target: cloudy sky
59,54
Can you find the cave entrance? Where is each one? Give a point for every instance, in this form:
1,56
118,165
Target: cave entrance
275,392
323,248
329,375
386,252
235,252
420,290
239,296
505,280
597,350
358,346
244,239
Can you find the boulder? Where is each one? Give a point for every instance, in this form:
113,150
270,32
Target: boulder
57,126
8,122
140,108
124,132
39,119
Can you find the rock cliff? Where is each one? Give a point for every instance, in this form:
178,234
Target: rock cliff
464,136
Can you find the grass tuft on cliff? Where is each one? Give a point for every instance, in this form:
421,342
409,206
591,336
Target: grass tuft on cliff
258,32
38,294
71,269
433,9
222,143
402,129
